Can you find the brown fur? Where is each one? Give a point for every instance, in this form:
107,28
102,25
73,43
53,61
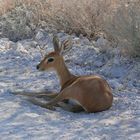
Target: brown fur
92,92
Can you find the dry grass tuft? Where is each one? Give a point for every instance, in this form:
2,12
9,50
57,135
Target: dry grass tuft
124,26
77,16
6,5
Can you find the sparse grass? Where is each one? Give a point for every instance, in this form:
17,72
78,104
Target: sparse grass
124,26
6,5
21,21
118,19
75,16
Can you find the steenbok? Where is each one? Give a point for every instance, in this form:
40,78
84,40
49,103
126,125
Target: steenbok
90,93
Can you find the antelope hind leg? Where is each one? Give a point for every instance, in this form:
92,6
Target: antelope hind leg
66,94
37,94
39,103
71,108
64,106
76,108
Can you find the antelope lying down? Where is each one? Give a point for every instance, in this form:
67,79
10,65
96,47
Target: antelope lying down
91,93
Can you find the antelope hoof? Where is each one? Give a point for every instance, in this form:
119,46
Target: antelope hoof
50,108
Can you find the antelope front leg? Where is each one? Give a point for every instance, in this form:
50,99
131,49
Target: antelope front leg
56,100
39,103
37,94
50,105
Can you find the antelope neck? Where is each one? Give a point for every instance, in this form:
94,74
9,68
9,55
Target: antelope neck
64,74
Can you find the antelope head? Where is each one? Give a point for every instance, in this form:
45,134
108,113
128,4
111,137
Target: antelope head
55,59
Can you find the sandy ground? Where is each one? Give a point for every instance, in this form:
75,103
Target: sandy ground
21,120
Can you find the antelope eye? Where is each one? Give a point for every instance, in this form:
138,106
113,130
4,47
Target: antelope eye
50,59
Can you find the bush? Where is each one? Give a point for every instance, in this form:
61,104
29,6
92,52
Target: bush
124,25
15,27
21,21
6,5
75,16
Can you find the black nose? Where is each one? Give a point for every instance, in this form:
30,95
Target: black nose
37,67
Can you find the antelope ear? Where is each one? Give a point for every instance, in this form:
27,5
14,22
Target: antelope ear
56,44
66,45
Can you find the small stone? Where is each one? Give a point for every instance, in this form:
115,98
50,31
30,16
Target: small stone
39,35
